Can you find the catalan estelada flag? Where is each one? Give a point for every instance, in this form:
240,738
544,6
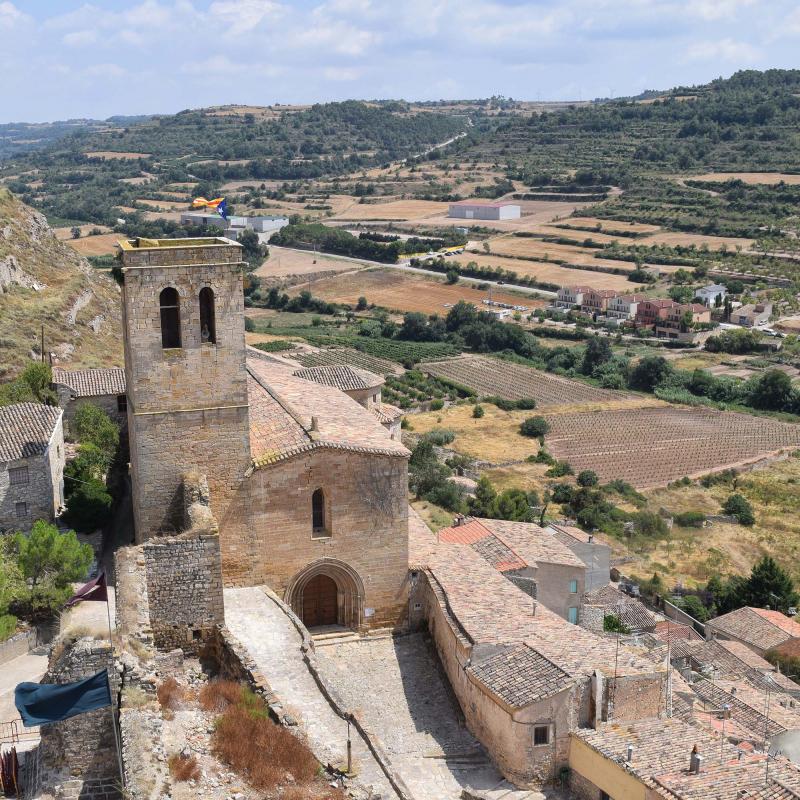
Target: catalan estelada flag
218,204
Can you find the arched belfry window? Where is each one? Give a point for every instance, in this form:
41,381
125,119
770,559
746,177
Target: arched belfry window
170,318
319,522
208,332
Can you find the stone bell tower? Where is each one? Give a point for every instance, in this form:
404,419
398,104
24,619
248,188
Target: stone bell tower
183,327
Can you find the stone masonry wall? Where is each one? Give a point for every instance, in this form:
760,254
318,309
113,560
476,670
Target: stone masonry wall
187,406
78,756
44,491
184,590
368,519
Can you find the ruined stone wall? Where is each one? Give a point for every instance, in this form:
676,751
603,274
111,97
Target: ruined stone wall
78,756
187,406
184,590
267,535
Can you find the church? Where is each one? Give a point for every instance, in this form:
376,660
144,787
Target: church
307,482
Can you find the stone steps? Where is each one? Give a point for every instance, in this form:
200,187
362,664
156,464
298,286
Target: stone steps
505,791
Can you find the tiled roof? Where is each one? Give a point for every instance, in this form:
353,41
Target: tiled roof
661,753
756,626
744,654
92,382
386,412
341,376
485,608
669,631
421,541
747,708
289,416
520,676
629,610
25,429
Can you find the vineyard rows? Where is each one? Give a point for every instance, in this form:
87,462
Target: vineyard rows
344,355
492,377
652,446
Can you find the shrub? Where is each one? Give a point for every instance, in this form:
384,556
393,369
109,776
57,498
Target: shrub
169,693
534,427
183,767
526,404
613,624
690,519
694,607
92,424
587,477
249,325
477,411
8,625
217,695
648,523
437,405
542,457
737,506
440,436
559,469
448,495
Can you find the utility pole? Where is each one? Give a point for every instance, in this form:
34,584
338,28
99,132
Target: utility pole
42,344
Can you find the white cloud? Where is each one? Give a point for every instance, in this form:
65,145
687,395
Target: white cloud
79,38
741,53
243,16
341,73
9,15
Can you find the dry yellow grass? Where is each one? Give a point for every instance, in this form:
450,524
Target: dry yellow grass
612,225
394,210
110,154
168,204
65,234
102,245
406,291
282,263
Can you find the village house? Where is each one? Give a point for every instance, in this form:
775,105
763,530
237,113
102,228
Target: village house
752,315
524,677
649,312
590,548
608,601
623,307
568,297
712,295
307,487
531,557
31,464
671,759
595,301
363,386
759,628
676,321
104,387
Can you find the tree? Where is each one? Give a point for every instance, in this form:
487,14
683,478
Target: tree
597,352
90,464
513,504
694,607
587,477
361,304
92,425
738,506
75,232
48,556
482,503
769,585
477,411
772,390
452,276
534,427
89,506
649,523
649,372
613,624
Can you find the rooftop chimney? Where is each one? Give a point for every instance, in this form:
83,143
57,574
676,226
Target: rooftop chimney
695,761
591,538
629,752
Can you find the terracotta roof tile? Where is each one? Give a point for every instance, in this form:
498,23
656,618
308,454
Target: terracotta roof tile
92,382
755,626
629,610
341,376
520,676
533,544
25,429
386,412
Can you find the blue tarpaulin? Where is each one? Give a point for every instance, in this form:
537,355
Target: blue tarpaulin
40,703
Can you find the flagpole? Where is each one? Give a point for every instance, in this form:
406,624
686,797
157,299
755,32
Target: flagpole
117,741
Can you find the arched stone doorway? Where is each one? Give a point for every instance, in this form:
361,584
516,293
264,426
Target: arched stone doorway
327,592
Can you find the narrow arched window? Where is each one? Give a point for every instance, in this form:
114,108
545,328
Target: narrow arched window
170,318
318,522
208,331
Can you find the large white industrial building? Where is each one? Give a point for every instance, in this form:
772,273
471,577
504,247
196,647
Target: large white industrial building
234,225
475,209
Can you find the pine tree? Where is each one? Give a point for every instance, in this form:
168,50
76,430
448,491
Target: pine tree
769,585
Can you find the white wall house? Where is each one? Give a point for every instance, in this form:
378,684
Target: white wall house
712,295
570,296
623,306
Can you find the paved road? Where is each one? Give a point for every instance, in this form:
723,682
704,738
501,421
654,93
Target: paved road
274,643
29,667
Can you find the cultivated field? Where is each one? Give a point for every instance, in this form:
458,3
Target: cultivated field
110,154
747,177
284,263
529,247
168,204
612,225
401,210
491,376
345,355
64,234
553,273
652,446
102,245
397,289
534,213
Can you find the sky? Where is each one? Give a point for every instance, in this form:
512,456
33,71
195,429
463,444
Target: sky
62,59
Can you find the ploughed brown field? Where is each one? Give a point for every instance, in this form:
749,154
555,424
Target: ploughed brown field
406,291
110,154
102,245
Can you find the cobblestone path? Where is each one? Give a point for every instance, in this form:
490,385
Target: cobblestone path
274,643
404,698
